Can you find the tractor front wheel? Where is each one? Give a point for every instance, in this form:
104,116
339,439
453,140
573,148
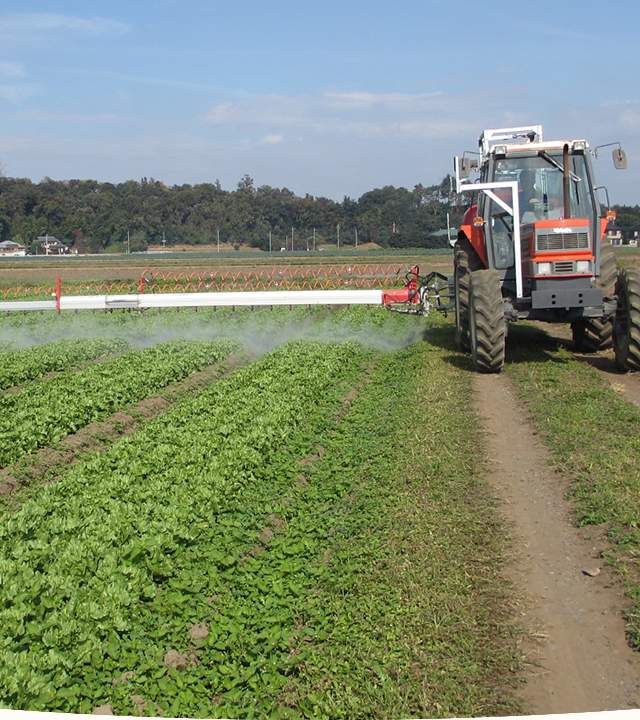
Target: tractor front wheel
487,332
626,324
465,261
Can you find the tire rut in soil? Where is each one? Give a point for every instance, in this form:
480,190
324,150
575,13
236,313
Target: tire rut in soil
571,601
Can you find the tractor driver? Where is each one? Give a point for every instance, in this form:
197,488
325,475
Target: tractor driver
528,195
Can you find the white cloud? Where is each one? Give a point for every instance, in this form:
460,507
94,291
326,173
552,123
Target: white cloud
630,120
16,94
11,70
12,24
340,114
14,90
47,118
272,139
357,100
625,114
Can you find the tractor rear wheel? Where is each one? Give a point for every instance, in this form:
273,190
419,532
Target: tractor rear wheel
487,332
594,334
465,261
626,324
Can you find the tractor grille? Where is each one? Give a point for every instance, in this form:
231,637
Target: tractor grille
564,267
562,241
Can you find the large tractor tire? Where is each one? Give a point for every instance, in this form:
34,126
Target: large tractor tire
595,334
465,261
626,325
487,330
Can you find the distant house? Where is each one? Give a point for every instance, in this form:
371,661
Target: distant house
10,248
613,233
51,245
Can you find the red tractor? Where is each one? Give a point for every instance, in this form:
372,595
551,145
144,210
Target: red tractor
532,246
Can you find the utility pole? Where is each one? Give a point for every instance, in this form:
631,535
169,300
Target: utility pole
338,234
314,239
218,232
269,240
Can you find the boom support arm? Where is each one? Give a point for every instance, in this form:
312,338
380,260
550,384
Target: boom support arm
513,210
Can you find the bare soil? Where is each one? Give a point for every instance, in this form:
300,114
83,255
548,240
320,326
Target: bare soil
581,661
112,269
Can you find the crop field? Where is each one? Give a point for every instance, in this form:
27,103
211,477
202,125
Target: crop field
274,513
285,539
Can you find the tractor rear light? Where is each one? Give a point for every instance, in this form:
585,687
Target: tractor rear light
500,150
544,268
580,145
478,220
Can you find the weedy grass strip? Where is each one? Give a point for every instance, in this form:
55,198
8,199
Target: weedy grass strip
594,435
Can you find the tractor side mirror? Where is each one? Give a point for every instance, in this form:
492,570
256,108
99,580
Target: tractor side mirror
464,168
619,159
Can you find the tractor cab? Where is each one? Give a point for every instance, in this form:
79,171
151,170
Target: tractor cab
559,219
538,221
531,247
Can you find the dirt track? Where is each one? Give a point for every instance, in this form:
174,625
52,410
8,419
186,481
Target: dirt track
582,662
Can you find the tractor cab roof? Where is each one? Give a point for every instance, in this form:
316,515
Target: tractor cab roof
523,141
535,147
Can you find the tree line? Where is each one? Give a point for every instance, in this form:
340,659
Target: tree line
97,216
628,219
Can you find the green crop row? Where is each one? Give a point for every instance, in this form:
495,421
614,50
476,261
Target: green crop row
36,361
106,570
46,412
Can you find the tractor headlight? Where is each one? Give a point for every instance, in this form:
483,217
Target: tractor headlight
583,267
543,268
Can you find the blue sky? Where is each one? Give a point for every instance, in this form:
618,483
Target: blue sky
329,98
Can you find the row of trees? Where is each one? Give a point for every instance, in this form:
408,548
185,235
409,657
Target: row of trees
98,217
628,219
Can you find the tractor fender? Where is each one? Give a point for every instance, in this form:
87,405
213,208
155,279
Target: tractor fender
474,233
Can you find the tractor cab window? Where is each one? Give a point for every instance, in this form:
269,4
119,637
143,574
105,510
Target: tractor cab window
540,194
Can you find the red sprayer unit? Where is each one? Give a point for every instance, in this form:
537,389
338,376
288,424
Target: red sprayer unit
420,294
